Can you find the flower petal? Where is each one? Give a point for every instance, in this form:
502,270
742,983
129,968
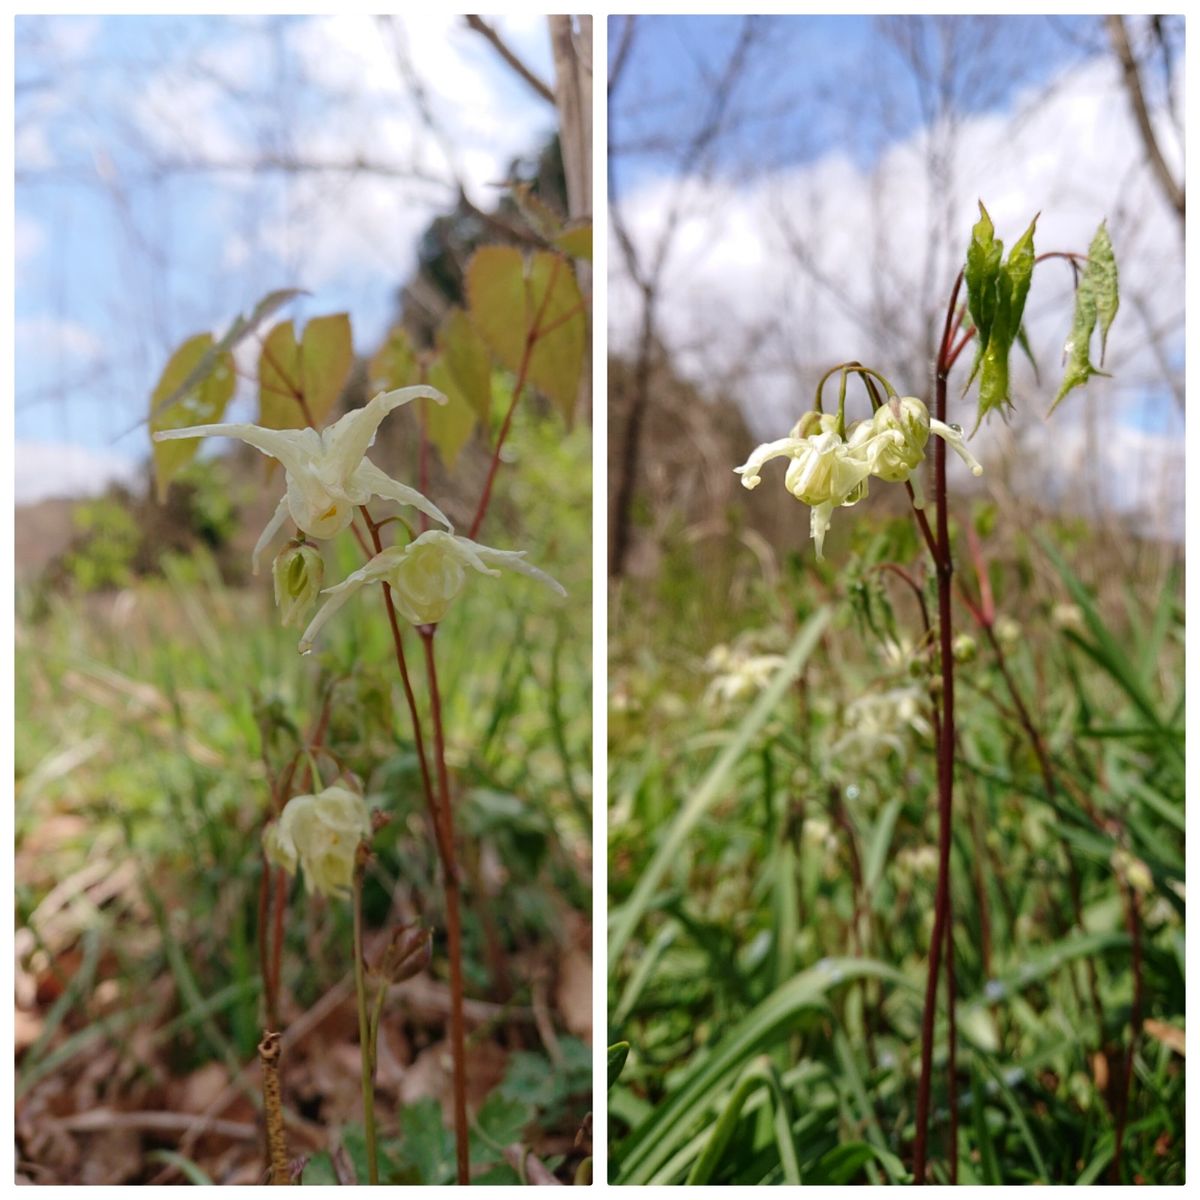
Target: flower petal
379,483
751,468
378,569
514,560
953,437
290,446
349,438
273,526
818,525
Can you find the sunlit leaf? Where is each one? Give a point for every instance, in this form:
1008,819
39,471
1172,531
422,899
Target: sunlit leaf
199,403
511,299
316,370
394,364
576,242
466,357
448,426
980,274
1102,268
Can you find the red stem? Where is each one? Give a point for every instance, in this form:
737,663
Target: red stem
943,563
531,339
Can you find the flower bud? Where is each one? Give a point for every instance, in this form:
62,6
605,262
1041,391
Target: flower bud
964,648
299,572
407,954
1008,631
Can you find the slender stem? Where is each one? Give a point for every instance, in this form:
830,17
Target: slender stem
951,1052
453,917
943,563
364,1026
534,332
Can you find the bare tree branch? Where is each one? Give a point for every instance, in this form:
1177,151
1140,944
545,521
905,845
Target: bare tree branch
481,27
1172,188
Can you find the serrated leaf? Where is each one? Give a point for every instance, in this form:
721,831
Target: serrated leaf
511,298
238,331
542,219
1019,269
1011,288
467,359
1102,267
1077,351
394,364
316,369
576,242
200,403
980,274
448,426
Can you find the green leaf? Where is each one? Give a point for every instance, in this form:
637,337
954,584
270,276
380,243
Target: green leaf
542,219
394,364
318,1171
316,370
1096,300
700,1088
502,1120
188,1169
1011,288
427,1146
617,1056
448,426
666,857
981,272
237,333
1102,267
511,299
466,357
576,242
200,403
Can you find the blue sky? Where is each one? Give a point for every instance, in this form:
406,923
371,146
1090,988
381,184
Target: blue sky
803,72
821,227
122,252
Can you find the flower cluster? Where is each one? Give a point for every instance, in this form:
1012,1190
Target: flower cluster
328,476
829,469
320,833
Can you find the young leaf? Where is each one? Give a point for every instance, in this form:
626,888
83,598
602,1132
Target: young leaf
448,426
617,1054
466,357
241,329
199,403
394,364
576,242
1011,289
980,274
1102,267
315,369
511,299
1077,351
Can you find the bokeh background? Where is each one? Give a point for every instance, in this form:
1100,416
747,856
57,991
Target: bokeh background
786,194
170,171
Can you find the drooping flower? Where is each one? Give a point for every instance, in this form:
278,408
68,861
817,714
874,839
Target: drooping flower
425,576
892,442
879,723
825,472
328,473
298,572
320,833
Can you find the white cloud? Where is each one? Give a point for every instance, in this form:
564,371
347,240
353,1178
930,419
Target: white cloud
46,338
29,236
739,308
50,470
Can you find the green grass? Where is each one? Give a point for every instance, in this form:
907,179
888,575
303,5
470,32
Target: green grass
142,790
771,894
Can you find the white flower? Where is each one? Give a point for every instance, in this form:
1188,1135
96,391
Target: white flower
299,571
893,442
879,722
328,475
824,472
424,576
321,834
